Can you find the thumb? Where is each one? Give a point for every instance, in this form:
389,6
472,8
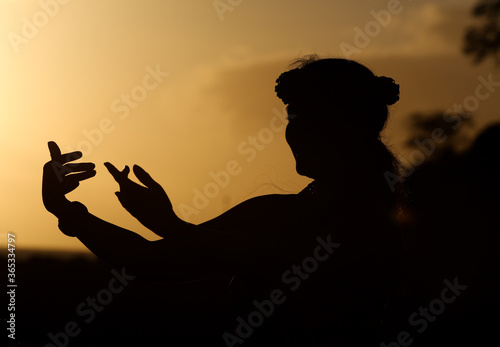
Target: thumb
119,176
144,177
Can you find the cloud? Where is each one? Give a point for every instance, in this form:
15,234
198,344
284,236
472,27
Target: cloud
236,93
430,29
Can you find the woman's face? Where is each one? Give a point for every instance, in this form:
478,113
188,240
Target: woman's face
312,139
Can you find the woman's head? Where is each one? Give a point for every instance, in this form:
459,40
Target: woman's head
335,106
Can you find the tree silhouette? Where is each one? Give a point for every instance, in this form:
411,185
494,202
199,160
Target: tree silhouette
452,127
483,41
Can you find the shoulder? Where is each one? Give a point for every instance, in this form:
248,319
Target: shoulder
254,212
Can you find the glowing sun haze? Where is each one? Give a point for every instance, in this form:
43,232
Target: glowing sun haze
186,90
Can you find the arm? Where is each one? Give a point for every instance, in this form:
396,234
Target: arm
112,243
123,248
115,245
235,238
187,246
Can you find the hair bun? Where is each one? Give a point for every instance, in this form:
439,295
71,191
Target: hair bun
388,89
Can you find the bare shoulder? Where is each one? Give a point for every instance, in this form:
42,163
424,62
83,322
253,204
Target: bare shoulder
254,212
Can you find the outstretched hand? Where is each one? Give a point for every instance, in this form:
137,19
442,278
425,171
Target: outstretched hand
60,178
149,203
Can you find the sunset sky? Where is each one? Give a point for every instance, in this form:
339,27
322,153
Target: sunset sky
178,87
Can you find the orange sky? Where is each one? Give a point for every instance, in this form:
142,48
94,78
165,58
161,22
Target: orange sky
179,86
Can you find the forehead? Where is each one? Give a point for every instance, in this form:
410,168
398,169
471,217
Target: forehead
309,108
306,115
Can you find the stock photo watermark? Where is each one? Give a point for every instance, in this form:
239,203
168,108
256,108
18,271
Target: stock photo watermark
11,285
122,106
30,27
249,149
455,115
89,308
420,319
292,278
364,36
223,6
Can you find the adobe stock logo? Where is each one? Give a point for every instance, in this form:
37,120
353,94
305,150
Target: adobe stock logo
248,148
122,106
420,319
31,26
223,6
363,36
454,116
292,278
88,309
139,93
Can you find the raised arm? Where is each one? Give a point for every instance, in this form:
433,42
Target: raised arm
239,235
60,176
187,251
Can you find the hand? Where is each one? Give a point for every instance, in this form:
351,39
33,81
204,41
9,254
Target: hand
149,203
60,178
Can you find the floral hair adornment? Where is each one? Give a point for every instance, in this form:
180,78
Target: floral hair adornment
387,89
298,85
287,85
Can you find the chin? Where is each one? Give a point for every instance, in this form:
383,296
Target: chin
305,171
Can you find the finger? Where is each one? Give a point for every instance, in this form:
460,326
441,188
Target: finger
81,176
54,170
67,157
61,171
119,176
80,167
113,171
144,177
111,168
55,152
126,171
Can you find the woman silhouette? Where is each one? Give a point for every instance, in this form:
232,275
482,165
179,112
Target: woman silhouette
310,269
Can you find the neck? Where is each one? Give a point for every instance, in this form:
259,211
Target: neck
343,183
330,188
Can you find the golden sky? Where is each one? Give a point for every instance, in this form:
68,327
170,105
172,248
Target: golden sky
182,87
